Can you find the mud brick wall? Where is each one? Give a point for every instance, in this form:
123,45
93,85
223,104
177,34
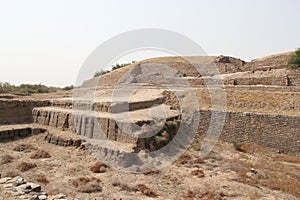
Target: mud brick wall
271,130
279,81
294,79
59,119
16,111
11,134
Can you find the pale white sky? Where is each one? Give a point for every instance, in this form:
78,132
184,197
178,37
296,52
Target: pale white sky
48,41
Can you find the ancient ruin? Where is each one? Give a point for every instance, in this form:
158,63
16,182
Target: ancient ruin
138,108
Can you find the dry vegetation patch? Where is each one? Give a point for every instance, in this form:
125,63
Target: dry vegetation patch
87,184
125,187
275,176
10,173
99,167
42,179
40,154
251,148
25,166
24,148
197,172
6,159
189,195
286,158
146,191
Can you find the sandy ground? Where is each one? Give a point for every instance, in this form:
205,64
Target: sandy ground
224,174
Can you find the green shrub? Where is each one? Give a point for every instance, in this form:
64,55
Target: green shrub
117,66
71,87
294,61
6,87
99,73
113,67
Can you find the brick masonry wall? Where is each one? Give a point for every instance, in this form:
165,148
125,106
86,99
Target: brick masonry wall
16,111
290,80
271,130
279,81
12,134
294,79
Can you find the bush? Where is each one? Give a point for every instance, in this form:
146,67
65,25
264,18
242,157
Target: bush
100,73
113,67
71,87
117,66
6,87
294,61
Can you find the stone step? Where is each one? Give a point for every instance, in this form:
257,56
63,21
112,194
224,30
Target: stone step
62,138
107,105
123,127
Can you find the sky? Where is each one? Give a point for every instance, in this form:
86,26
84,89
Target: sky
47,41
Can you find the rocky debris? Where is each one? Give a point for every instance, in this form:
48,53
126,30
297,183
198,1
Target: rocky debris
20,188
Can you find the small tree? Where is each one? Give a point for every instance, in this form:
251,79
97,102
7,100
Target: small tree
294,61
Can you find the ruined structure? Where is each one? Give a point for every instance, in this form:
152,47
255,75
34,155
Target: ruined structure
262,105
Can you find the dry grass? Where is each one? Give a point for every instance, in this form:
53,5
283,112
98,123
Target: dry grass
275,176
42,179
286,158
125,187
6,159
197,172
208,196
198,161
24,148
184,159
98,167
40,154
189,195
87,184
146,191
251,148
25,166
12,173
149,171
